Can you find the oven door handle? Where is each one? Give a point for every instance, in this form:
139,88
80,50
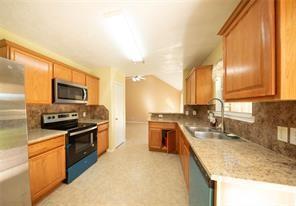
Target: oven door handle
82,131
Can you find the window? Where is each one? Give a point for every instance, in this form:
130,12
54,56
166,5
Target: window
234,110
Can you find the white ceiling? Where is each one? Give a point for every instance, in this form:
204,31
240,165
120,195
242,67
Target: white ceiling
174,34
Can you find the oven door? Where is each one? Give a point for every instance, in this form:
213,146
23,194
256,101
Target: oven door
79,144
67,92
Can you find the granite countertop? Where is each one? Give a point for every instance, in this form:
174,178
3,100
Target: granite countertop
96,121
244,160
38,135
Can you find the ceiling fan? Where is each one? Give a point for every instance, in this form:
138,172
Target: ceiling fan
137,78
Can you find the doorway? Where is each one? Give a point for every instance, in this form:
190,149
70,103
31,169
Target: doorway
118,117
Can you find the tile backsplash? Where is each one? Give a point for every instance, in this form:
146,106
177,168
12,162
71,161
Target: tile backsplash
34,112
263,131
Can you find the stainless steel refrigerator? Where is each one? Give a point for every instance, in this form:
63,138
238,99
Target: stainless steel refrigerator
14,175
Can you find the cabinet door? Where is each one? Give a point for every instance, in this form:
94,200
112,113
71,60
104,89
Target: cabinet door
61,72
188,90
186,164
155,138
192,87
181,142
46,170
38,75
102,141
171,141
249,52
286,47
78,77
105,139
93,90
204,85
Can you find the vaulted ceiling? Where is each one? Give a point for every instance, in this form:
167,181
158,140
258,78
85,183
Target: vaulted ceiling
174,34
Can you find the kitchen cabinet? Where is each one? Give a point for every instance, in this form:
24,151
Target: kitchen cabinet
92,84
249,51
62,72
68,74
38,75
184,153
40,70
46,166
78,77
162,137
103,138
204,85
286,47
199,86
190,84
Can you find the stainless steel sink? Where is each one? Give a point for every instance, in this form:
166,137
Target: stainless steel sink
209,133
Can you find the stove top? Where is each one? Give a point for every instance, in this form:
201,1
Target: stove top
64,121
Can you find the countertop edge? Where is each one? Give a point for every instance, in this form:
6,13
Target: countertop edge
55,133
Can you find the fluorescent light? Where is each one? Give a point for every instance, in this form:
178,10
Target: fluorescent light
121,30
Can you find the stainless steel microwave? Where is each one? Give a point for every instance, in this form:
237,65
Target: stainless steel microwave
67,92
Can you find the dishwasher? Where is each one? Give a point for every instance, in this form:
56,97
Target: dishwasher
201,187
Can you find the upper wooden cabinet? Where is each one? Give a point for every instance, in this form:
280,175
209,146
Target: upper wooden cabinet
62,72
190,88
199,85
204,85
40,70
78,77
68,74
286,48
92,84
249,51
38,75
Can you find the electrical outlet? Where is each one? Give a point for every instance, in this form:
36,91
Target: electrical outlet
160,116
194,113
84,114
186,113
282,134
293,136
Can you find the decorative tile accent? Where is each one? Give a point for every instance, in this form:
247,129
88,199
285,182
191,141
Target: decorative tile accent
34,112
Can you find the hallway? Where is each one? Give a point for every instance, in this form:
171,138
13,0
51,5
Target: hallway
131,175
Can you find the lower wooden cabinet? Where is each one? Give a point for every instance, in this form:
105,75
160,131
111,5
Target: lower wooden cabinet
46,166
103,138
184,154
162,137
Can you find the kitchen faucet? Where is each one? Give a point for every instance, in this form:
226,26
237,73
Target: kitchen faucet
222,111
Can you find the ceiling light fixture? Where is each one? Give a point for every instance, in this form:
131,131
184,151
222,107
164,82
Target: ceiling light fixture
124,34
137,78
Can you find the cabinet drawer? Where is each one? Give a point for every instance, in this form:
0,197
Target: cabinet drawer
102,127
162,125
41,147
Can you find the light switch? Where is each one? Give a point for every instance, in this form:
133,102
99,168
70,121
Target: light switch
293,136
282,134
194,113
84,114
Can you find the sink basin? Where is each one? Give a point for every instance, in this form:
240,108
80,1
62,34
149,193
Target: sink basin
209,133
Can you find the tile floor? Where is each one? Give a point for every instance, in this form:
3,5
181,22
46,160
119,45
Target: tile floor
131,175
